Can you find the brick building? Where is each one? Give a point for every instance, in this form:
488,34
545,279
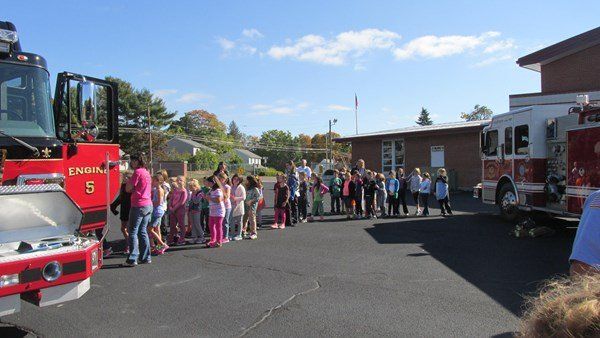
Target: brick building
567,68
454,146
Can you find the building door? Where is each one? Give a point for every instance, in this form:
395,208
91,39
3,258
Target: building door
392,155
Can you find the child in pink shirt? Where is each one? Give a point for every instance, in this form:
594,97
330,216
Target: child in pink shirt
216,212
177,211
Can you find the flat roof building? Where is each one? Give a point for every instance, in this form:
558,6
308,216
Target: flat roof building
454,146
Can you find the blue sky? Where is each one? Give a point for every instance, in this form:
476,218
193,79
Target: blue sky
294,65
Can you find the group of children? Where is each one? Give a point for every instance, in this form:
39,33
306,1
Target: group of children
214,212
366,193
227,209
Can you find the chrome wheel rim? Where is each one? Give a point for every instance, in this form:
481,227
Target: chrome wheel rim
509,201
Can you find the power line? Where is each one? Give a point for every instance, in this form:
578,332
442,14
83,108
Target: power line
250,145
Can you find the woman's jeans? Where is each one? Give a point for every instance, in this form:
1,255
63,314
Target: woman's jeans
139,243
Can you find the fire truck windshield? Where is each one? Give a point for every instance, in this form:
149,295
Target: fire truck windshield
25,108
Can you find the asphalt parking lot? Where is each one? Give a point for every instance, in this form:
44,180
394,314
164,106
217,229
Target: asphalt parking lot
459,276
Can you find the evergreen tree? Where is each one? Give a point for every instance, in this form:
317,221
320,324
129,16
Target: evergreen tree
234,132
424,119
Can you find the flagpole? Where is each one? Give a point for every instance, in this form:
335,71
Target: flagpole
356,118
356,112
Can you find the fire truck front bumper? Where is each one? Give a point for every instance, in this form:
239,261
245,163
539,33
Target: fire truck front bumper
48,278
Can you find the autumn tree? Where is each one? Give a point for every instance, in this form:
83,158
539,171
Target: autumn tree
478,113
424,119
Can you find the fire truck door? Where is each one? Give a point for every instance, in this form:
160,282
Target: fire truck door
86,118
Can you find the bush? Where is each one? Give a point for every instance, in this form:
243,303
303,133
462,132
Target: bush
205,160
266,171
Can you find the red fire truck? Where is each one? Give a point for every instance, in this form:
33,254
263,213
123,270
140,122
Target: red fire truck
544,157
70,145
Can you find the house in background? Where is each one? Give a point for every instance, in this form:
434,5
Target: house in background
186,146
248,158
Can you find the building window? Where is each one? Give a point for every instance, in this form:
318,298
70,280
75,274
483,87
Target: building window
508,140
522,140
437,156
392,155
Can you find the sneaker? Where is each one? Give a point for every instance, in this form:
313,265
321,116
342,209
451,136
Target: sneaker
199,241
237,238
126,251
275,226
107,252
154,252
163,249
253,236
147,261
225,240
180,243
282,226
130,264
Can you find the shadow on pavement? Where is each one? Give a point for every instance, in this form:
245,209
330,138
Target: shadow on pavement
479,249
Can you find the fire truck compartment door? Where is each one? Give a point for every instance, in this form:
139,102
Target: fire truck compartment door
35,212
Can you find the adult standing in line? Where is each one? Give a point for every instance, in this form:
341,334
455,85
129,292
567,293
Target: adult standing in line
139,185
402,187
361,168
221,168
305,169
292,182
585,257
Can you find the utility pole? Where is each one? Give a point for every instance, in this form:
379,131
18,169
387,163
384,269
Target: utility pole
150,139
329,144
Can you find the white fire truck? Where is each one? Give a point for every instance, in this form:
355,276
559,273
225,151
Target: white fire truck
544,157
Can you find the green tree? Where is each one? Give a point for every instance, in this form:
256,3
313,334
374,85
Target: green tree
206,126
205,160
276,158
234,132
478,113
133,113
234,158
424,119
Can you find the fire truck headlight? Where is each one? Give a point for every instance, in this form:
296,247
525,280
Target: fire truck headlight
94,260
9,280
52,271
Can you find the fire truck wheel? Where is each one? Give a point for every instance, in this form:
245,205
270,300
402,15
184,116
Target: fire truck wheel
507,201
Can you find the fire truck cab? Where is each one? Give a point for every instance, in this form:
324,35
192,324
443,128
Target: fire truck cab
542,158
